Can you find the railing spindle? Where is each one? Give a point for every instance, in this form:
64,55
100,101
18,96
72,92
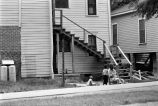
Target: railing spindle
104,49
61,18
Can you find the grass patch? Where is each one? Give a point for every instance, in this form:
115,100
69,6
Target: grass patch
31,84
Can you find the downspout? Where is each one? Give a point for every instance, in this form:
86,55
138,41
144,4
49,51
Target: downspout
51,36
109,13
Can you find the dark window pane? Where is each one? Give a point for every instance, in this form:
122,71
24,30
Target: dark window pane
142,31
91,1
115,34
67,47
92,42
92,7
62,3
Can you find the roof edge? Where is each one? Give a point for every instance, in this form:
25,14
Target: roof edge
123,13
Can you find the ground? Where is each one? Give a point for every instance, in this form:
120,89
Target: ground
126,97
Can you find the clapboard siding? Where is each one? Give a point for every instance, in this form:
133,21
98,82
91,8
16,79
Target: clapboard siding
97,24
82,61
9,12
35,39
128,34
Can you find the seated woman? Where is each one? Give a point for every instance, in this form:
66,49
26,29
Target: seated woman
114,79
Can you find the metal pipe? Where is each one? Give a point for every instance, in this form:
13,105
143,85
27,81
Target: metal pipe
124,55
20,13
63,62
51,36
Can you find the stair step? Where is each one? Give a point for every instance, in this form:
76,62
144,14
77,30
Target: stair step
67,32
77,38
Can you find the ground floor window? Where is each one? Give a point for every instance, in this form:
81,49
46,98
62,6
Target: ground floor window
115,34
67,44
92,42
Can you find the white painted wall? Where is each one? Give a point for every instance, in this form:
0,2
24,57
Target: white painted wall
9,12
35,39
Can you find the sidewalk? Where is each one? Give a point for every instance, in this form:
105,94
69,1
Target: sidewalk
75,91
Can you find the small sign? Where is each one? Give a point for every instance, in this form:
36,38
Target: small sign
7,62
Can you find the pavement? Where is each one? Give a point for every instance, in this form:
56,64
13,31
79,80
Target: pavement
76,91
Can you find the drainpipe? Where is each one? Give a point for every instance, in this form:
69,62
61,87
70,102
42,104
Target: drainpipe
19,24
51,36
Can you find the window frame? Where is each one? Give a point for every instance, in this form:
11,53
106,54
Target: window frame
113,34
87,9
139,32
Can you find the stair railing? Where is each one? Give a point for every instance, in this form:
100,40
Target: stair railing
105,47
124,55
59,21
131,67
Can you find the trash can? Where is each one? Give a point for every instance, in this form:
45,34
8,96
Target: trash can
3,73
8,71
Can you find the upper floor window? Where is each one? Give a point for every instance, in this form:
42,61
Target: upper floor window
92,7
142,35
115,35
62,3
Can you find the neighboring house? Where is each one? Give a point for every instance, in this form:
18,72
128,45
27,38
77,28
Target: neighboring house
137,37
30,35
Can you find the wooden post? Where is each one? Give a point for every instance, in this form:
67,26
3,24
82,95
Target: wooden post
139,72
53,12
57,37
131,69
72,50
104,49
84,36
63,63
155,64
132,59
61,18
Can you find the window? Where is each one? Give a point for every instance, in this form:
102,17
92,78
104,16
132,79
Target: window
142,37
62,3
67,44
92,42
114,27
92,8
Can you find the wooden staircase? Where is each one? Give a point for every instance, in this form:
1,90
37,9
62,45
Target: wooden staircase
78,42
123,69
101,55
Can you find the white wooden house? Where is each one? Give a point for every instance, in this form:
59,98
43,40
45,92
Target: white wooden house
30,35
137,37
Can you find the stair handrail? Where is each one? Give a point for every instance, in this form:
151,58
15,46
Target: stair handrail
82,28
124,55
104,42
111,55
